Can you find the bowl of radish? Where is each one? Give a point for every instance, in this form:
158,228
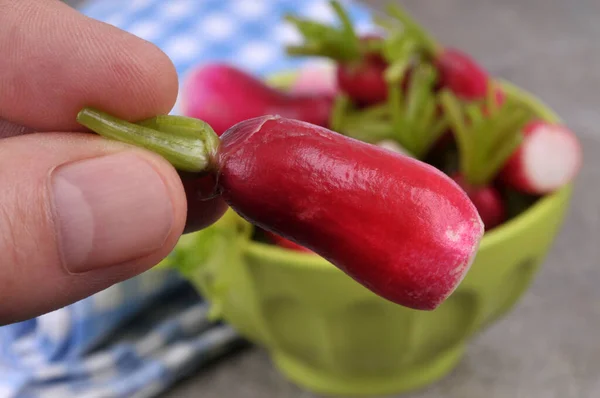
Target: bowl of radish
403,91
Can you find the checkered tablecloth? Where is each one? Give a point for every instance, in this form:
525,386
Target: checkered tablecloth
138,337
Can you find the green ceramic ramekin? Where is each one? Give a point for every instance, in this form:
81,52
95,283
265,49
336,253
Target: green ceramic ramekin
330,335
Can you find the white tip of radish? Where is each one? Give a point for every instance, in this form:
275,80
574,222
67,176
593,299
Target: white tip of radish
551,157
466,236
317,77
393,146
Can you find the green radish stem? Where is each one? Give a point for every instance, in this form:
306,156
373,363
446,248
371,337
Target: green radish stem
410,119
454,114
321,40
395,104
188,144
485,142
413,29
347,27
398,49
415,113
340,106
369,125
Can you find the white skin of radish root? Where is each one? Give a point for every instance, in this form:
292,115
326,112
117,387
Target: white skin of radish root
551,156
458,236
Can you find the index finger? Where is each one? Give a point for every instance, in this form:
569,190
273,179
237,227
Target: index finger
56,61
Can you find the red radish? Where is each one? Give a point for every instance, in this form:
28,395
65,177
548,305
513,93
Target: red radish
222,96
204,208
487,200
549,158
286,244
398,226
461,74
364,80
316,78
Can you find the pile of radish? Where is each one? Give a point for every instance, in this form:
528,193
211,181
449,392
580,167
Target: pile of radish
406,92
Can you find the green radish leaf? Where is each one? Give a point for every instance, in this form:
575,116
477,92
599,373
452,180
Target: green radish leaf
395,72
347,27
439,127
420,89
414,29
498,158
376,111
453,111
337,43
430,127
385,23
395,104
368,132
309,50
425,116
308,28
341,105
474,114
485,141
510,126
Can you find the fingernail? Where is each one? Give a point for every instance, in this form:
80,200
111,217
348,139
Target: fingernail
109,210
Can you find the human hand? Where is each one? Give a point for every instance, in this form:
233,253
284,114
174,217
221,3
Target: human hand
77,213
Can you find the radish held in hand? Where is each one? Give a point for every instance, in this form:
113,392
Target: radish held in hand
222,96
549,158
398,226
204,208
285,243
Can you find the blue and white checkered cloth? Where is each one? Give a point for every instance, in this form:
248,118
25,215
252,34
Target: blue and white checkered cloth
138,337
133,339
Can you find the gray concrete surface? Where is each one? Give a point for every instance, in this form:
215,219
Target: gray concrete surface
548,346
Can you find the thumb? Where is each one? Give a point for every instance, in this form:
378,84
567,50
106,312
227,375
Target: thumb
87,213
